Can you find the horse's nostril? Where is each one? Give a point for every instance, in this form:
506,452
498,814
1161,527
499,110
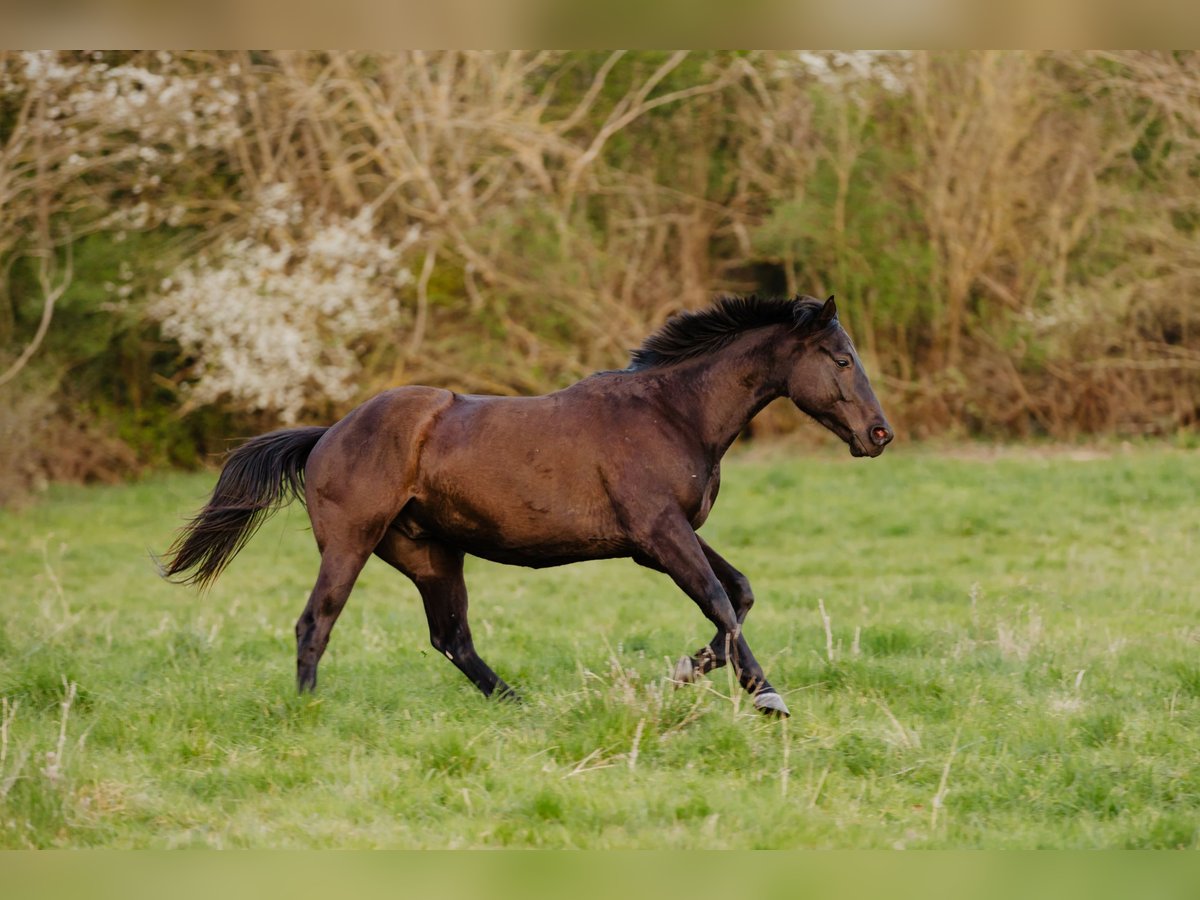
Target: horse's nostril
880,434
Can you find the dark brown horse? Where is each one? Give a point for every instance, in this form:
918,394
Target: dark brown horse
620,464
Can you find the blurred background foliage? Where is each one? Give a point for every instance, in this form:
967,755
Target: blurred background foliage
196,246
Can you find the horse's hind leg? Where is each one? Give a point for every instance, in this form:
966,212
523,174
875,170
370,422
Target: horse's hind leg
340,566
437,571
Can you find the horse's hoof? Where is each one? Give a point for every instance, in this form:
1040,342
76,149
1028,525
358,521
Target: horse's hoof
685,671
306,681
770,703
504,694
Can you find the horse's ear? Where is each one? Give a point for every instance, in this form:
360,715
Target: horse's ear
828,313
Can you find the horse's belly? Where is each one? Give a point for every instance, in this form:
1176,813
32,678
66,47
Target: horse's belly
543,557
519,533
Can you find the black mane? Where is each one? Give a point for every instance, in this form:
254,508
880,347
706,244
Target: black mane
691,334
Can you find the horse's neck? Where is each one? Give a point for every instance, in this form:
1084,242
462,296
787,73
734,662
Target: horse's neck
721,393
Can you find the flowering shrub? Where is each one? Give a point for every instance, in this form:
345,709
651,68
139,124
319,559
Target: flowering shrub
116,142
166,105
274,325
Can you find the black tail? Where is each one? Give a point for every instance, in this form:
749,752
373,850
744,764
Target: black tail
260,476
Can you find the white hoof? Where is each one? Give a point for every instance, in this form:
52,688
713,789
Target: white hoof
770,703
685,671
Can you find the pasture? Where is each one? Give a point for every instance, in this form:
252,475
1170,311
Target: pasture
992,650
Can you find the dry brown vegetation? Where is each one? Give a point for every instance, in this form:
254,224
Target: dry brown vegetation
1012,235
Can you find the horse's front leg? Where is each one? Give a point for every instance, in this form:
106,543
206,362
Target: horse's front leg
737,587
677,550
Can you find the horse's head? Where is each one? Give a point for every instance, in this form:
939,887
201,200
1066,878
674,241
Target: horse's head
827,381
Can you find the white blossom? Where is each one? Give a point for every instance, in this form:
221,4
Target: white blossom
276,327
844,69
132,98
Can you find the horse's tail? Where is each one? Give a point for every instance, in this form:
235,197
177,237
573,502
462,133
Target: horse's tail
258,478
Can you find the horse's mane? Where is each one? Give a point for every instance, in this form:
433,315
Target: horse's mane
691,334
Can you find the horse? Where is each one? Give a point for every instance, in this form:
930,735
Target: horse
622,464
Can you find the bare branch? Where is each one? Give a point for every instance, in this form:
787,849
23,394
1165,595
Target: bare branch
50,296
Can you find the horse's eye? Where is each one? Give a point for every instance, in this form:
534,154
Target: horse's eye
842,363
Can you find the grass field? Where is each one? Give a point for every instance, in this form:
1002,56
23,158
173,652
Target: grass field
1012,660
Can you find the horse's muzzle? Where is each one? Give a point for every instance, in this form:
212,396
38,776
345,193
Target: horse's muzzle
878,437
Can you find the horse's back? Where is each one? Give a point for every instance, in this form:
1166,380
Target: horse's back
557,442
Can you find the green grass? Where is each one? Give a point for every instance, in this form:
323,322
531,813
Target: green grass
1014,663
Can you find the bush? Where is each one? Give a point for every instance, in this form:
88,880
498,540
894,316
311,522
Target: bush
1012,235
